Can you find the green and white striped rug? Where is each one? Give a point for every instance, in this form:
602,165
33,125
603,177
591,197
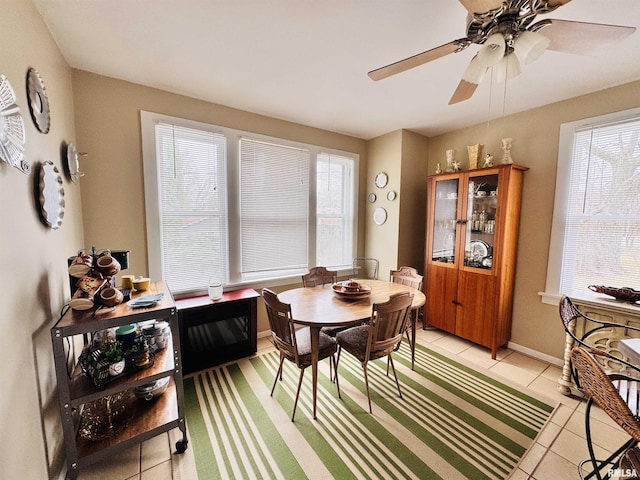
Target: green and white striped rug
452,422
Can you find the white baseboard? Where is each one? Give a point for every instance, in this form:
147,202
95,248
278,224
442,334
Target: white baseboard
535,354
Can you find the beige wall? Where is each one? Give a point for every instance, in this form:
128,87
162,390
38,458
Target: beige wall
535,136
402,155
384,155
33,278
412,197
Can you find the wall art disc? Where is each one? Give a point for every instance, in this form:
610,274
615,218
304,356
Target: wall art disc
73,164
51,195
12,132
38,101
379,216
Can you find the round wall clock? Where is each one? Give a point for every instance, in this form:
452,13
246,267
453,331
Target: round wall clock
381,180
372,197
12,133
51,195
379,216
38,101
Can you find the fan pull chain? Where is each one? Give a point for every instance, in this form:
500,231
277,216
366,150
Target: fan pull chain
504,94
489,106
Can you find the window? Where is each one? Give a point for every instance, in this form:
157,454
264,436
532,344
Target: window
274,208
596,223
334,210
192,204
242,207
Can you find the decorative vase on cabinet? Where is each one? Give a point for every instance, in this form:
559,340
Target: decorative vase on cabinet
473,219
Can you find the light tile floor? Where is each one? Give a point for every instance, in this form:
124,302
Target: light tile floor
555,454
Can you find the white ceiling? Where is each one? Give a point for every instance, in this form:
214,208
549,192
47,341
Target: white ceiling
307,61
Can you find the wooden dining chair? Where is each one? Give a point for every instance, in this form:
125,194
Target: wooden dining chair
364,267
409,276
319,276
322,276
617,395
293,344
379,337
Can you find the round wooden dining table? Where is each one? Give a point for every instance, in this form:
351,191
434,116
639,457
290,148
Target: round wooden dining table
320,306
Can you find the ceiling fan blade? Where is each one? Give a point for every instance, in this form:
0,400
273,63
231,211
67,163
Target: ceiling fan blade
482,6
464,92
419,59
581,37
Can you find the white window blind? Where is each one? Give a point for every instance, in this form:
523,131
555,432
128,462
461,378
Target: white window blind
334,210
193,206
274,208
602,229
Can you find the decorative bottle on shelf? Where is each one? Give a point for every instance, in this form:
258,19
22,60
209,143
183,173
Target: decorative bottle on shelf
474,221
505,144
451,157
482,219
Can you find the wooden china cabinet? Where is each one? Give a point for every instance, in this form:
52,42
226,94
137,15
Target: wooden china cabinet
473,219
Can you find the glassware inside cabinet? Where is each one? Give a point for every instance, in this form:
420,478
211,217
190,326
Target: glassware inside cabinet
481,221
445,218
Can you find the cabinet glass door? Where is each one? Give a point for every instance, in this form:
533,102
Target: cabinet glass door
482,201
445,221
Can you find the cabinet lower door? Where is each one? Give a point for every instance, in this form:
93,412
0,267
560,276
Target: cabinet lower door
442,287
476,315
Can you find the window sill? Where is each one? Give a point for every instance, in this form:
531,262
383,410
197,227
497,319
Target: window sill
293,280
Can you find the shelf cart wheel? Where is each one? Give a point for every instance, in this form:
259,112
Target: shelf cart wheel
181,446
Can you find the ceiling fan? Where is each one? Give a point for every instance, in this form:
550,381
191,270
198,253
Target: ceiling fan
509,37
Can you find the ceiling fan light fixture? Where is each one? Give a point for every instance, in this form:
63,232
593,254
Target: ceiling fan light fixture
492,51
474,73
508,68
529,46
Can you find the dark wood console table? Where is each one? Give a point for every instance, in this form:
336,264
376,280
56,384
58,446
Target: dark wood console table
217,331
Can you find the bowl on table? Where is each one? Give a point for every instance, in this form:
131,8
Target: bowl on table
351,289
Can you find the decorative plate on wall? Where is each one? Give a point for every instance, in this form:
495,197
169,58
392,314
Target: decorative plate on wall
38,101
391,196
372,197
73,164
379,216
12,134
381,180
51,195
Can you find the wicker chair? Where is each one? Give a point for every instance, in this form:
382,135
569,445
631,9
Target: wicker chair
365,268
379,337
630,462
409,276
600,334
319,276
605,391
293,344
